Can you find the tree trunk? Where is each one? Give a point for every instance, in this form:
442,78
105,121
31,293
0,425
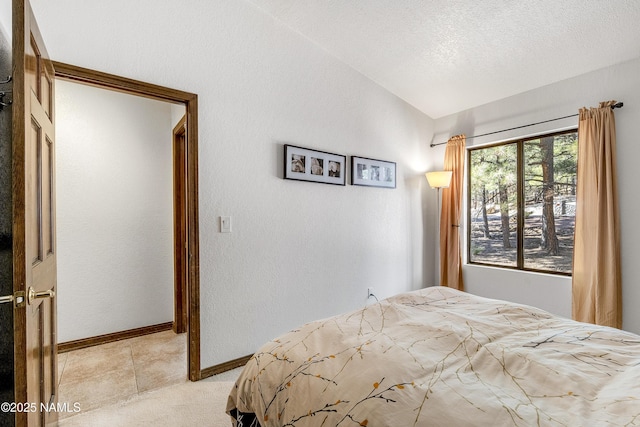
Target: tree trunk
485,219
548,239
504,215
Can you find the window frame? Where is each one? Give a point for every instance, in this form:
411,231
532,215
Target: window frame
520,203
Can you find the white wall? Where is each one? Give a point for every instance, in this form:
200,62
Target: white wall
177,113
298,251
114,210
620,82
5,19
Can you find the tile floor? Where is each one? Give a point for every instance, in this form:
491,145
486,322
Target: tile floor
106,374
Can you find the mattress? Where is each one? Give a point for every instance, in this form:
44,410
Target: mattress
441,357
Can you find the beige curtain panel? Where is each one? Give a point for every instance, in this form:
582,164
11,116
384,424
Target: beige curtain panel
596,280
450,258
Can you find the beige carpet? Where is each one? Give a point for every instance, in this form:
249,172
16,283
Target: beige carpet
199,404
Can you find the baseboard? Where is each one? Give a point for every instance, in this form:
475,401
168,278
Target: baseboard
115,336
223,367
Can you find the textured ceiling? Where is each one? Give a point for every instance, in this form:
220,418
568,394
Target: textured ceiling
445,56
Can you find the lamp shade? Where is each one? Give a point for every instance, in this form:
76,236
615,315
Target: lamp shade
439,179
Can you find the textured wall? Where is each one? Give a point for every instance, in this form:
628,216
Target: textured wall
298,251
619,82
115,211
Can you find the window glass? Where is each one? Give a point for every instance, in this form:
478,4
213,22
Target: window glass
550,201
493,205
522,203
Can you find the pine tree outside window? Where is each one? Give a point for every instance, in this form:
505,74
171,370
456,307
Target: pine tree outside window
521,203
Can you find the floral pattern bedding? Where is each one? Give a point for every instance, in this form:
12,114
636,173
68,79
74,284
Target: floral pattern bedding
441,357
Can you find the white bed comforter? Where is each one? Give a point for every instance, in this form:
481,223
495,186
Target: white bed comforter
440,357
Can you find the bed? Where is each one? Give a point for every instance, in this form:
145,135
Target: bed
441,357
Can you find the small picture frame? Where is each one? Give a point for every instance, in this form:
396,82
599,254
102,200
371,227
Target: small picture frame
372,172
304,164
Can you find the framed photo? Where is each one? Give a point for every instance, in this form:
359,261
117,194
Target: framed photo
303,164
372,172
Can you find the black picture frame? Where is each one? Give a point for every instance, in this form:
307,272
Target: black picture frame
373,172
306,164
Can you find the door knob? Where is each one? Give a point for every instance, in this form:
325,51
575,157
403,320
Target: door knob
32,294
5,299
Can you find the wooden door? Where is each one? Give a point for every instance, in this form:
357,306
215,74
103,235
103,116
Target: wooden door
34,236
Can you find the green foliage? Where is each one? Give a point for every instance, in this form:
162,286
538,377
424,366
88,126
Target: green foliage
493,167
565,154
494,171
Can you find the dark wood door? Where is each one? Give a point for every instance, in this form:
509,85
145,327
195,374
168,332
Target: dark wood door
34,225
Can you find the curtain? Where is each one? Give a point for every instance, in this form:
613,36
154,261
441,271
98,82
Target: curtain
596,280
450,259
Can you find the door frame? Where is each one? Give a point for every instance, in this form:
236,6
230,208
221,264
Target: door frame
180,254
190,101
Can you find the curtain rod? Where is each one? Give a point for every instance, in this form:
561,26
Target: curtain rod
616,105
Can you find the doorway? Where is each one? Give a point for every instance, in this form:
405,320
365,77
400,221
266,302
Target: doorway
190,221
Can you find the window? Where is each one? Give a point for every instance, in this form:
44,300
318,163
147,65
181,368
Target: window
521,203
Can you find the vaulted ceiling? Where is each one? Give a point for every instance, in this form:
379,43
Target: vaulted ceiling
445,56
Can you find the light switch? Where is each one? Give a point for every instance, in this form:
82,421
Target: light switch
225,224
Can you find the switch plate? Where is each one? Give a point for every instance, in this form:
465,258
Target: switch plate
225,224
